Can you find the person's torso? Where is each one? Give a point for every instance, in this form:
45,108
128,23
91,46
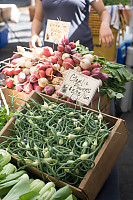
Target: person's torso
74,11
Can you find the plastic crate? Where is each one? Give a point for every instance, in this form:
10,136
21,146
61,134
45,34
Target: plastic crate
3,36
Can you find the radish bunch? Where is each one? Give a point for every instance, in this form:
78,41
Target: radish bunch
43,69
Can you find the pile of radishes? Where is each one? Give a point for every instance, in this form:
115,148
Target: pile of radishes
43,69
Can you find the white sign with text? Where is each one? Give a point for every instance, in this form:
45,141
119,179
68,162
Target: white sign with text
79,87
56,30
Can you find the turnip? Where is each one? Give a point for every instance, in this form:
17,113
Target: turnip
40,74
28,87
49,89
9,82
72,45
16,70
88,57
67,49
68,63
77,57
104,76
65,55
19,87
96,73
86,72
96,65
60,47
85,64
43,82
47,51
21,77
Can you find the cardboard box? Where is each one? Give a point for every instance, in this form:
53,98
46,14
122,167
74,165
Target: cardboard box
104,161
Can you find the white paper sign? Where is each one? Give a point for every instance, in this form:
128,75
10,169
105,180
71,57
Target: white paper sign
56,30
79,87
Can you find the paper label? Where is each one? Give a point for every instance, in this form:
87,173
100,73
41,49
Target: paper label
56,30
79,87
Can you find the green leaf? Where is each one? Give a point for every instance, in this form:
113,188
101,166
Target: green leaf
30,196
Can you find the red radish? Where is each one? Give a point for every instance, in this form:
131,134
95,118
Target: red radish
41,66
73,52
85,64
28,87
49,71
58,74
26,71
14,56
37,87
96,73
58,54
4,71
43,82
72,45
86,72
35,61
53,59
104,76
16,70
40,74
60,61
65,41
77,57
9,71
28,78
9,82
21,77
96,65
49,89
47,51
67,49
60,47
19,87
33,78
68,63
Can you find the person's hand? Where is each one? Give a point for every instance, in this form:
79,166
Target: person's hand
35,39
106,37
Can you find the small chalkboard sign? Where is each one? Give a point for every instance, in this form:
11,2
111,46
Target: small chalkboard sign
79,87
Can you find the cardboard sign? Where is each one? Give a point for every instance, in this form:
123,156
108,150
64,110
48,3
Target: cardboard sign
56,30
79,87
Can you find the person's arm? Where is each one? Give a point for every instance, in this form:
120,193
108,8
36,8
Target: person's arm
37,25
105,34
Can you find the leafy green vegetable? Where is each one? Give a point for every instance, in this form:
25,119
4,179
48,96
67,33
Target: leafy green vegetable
4,117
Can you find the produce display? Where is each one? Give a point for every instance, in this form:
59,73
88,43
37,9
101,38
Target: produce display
18,185
4,116
57,139
43,70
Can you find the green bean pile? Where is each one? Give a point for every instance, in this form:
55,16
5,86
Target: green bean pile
57,139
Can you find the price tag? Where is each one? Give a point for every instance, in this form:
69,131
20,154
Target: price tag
79,87
56,30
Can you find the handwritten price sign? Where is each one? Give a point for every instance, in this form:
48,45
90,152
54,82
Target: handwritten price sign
79,87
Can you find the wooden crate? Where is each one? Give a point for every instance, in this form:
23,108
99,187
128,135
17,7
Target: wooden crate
104,161
8,94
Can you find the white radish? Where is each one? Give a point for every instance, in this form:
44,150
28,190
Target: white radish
26,71
88,57
78,69
28,64
65,55
57,81
43,82
85,64
33,70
